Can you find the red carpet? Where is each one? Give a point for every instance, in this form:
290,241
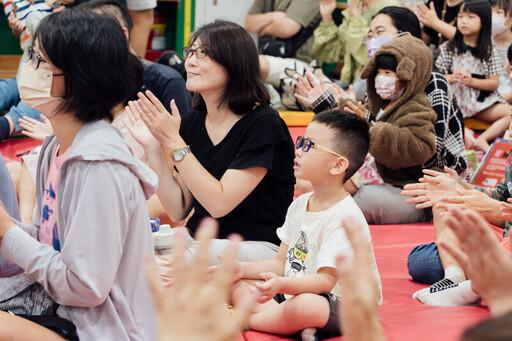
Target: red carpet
11,148
402,317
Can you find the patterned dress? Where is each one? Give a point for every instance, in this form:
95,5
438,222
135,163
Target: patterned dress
471,101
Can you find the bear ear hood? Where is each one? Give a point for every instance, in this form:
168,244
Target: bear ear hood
414,68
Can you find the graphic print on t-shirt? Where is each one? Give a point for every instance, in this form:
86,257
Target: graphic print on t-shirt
48,230
297,257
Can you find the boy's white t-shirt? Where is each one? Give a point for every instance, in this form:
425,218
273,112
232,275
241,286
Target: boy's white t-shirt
314,239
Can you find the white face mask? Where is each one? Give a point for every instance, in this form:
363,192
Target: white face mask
498,25
385,88
35,87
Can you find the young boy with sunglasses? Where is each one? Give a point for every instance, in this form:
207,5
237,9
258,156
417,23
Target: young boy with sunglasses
300,290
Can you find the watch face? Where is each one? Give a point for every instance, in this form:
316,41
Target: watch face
56,4
178,155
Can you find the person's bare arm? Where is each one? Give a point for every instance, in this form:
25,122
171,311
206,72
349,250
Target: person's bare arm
254,23
253,270
282,28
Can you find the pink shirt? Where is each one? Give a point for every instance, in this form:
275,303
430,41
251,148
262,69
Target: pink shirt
48,233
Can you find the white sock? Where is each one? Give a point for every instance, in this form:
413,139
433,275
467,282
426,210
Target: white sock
455,295
455,274
308,334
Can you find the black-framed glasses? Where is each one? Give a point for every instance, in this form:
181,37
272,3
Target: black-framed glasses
35,58
200,52
305,144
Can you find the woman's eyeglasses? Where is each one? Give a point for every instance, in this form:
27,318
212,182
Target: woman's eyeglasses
200,52
34,58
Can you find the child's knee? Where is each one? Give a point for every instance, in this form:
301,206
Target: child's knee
307,307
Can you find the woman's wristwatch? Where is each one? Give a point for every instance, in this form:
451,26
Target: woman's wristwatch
179,154
56,5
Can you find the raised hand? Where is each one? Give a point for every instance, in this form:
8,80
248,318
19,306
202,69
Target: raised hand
359,315
326,9
164,127
484,260
474,199
307,90
15,24
358,109
35,129
433,186
193,307
137,128
338,92
427,15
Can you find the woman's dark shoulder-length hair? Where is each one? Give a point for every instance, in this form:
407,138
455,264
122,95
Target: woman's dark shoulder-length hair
403,19
232,47
483,49
92,52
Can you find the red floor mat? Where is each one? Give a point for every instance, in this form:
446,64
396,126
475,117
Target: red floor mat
11,148
402,317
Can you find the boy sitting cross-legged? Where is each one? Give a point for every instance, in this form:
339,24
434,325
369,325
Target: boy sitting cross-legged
299,292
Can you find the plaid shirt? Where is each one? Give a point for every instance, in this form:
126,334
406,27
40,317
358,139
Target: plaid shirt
449,126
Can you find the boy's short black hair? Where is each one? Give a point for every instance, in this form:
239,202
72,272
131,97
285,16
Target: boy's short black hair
113,8
351,138
386,62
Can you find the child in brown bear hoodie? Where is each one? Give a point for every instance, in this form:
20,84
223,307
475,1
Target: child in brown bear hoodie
402,135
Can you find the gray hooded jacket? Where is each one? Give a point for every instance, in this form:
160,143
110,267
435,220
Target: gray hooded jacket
103,225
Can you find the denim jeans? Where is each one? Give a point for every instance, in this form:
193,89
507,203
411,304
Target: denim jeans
9,95
20,110
424,264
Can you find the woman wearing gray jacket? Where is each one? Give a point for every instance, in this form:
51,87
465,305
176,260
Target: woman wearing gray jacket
91,228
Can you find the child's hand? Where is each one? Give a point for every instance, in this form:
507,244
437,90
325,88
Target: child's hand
269,288
238,272
15,24
358,109
466,78
35,129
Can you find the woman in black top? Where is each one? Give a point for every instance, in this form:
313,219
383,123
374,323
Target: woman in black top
233,153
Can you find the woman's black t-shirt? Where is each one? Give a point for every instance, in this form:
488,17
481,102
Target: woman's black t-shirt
450,18
258,139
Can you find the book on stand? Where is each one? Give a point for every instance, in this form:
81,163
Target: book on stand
492,168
